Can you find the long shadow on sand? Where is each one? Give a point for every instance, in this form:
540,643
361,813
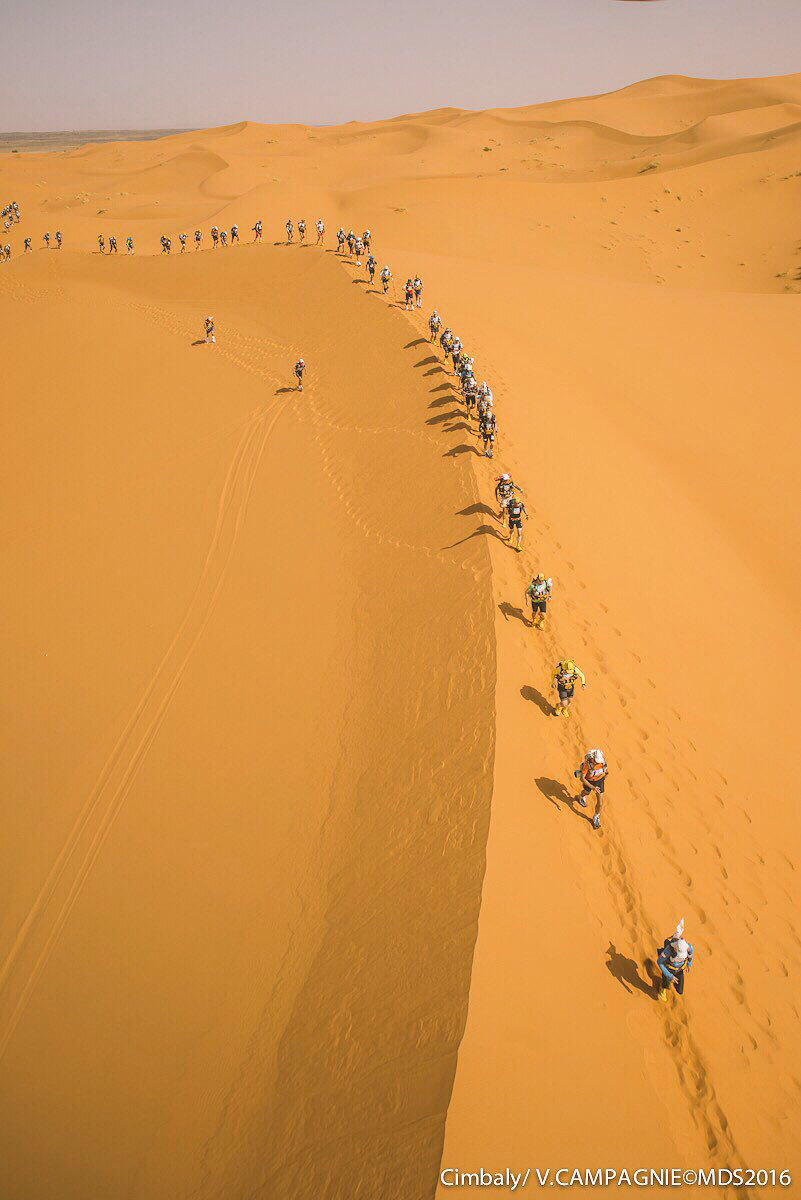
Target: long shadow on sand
283,391
463,448
443,387
482,531
416,342
442,400
474,509
627,973
531,694
200,342
510,610
440,418
426,362
560,797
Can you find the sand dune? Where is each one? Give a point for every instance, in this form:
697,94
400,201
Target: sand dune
270,659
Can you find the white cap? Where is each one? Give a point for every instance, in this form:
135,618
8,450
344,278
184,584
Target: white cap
505,476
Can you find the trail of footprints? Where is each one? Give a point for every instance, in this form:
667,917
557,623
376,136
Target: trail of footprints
46,918
687,1057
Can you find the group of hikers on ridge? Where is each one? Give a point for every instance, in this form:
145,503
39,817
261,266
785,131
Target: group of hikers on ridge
674,959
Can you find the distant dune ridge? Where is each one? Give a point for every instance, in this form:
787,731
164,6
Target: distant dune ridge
298,903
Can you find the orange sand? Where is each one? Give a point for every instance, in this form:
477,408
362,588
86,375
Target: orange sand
268,666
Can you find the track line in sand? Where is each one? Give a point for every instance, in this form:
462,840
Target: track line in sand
41,928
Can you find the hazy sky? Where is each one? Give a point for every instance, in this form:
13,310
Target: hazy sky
78,64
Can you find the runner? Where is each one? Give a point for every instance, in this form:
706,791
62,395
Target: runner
182,240
359,248
674,960
367,237
504,490
166,246
290,231
446,342
302,230
487,428
46,240
516,511
371,266
320,227
58,238
351,240
209,327
28,246
112,245
538,593
300,367
470,394
224,238
340,240
409,294
101,243
258,229
234,234
564,678
215,236
198,238
129,245
434,324
386,275
417,284
592,773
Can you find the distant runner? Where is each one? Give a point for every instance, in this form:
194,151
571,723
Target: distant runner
300,367
209,327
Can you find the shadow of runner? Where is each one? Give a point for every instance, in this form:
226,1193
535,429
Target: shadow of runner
558,795
529,693
627,972
462,449
440,417
482,531
511,610
421,341
477,508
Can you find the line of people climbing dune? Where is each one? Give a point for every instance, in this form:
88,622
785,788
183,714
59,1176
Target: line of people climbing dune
674,958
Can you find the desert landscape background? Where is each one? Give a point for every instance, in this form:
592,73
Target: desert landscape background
297,903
